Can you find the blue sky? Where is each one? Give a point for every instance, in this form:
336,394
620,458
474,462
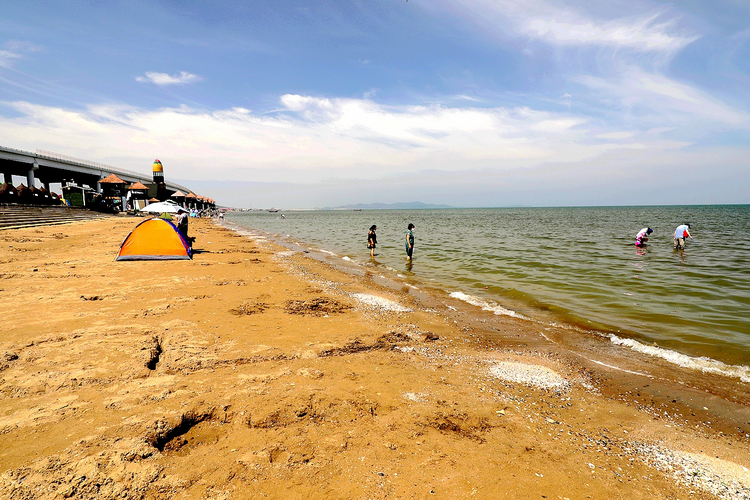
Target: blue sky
467,103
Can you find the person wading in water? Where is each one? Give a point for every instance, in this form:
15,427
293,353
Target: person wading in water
372,240
409,243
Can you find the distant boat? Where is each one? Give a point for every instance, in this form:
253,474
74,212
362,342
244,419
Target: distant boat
357,209
273,210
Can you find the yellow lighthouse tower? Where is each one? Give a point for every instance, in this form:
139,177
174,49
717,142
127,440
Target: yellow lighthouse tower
158,172
161,188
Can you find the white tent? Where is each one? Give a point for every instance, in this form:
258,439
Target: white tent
163,207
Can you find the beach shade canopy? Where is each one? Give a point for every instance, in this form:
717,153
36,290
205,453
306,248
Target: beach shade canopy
163,207
138,186
154,239
112,179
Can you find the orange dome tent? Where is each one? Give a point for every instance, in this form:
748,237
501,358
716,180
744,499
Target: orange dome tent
154,239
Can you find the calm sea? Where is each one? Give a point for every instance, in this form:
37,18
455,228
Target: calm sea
575,266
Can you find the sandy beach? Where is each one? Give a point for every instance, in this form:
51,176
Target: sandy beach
256,371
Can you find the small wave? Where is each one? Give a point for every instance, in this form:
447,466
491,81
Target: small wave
345,258
486,305
621,369
326,251
706,365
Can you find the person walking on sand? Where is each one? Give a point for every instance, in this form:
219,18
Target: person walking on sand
182,224
409,243
182,227
642,237
372,240
680,234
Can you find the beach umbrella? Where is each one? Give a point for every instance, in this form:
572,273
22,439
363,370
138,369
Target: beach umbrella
163,207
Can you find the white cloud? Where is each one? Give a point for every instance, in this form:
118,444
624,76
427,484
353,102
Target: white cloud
639,34
462,97
615,135
567,26
166,79
312,139
295,102
7,58
628,64
22,46
663,98
15,50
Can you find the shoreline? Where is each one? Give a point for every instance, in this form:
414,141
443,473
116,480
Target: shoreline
278,375
653,353
602,284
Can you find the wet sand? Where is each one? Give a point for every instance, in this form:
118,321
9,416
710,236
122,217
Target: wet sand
254,371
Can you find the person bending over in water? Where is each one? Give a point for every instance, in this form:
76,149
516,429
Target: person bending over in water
409,243
372,240
680,234
642,237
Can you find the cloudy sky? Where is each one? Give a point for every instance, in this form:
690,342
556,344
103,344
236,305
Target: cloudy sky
467,103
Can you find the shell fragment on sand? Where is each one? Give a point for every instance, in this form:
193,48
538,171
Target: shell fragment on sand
379,302
534,375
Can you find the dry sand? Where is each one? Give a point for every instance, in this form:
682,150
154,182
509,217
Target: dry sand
256,372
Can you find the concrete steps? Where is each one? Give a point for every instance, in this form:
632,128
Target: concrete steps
18,217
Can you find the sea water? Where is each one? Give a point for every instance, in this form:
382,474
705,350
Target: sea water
570,266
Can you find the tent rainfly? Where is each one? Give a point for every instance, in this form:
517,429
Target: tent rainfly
154,239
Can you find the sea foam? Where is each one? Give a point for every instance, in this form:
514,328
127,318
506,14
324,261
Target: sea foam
706,365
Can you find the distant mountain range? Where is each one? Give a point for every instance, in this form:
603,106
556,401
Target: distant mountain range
388,206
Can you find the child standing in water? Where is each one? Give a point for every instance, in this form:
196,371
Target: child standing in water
409,243
642,237
372,240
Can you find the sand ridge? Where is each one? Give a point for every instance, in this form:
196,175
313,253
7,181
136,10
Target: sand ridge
255,372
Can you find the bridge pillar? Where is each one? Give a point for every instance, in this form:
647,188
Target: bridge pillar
30,173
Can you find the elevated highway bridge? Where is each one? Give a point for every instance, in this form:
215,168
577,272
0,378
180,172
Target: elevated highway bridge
49,168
